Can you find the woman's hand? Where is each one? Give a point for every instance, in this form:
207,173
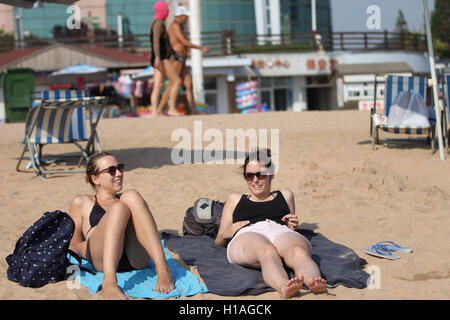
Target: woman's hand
291,221
157,62
235,227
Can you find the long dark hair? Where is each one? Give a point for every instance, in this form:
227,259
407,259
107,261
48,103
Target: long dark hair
91,167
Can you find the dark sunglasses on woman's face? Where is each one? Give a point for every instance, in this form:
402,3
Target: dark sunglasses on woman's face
251,175
112,169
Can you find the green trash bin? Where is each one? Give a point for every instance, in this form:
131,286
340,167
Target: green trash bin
17,83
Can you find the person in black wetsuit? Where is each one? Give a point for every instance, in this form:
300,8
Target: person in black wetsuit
259,231
160,54
116,231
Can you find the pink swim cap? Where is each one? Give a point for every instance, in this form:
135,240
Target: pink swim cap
161,10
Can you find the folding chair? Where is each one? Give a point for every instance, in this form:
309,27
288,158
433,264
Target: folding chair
57,117
393,86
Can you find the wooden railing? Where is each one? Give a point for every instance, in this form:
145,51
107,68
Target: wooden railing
226,42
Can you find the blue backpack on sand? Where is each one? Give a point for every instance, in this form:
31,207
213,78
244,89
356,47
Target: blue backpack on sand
40,254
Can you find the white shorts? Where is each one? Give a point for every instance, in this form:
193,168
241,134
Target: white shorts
268,228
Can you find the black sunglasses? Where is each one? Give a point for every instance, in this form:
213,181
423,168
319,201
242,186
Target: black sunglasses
251,175
112,169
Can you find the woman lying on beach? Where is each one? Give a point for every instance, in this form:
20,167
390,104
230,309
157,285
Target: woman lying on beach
116,231
259,230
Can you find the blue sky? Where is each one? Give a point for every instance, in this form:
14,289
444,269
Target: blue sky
350,15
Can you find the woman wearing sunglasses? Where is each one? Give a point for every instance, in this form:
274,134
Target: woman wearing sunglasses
259,231
116,231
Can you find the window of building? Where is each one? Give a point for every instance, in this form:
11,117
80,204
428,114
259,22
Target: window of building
210,89
276,92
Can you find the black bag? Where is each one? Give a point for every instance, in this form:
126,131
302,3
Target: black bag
40,254
203,218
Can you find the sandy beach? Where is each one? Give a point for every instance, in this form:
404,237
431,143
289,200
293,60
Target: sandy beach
343,190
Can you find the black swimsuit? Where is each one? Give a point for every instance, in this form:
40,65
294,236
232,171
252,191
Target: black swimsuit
253,211
165,49
95,216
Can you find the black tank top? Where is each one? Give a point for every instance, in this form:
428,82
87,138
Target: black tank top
97,213
253,211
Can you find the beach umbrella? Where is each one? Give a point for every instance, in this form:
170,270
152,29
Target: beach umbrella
433,78
78,74
144,74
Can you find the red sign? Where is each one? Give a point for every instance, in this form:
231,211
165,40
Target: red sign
270,63
320,64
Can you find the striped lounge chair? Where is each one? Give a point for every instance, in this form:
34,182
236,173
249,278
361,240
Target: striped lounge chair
393,86
57,117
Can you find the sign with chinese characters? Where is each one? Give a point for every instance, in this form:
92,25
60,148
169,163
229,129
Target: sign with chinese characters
320,64
293,64
270,63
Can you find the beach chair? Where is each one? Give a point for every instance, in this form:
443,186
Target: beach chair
393,86
57,117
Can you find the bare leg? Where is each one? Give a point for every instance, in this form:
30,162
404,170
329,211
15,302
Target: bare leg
174,85
141,240
187,82
163,101
296,252
148,236
158,81
106,247
254,250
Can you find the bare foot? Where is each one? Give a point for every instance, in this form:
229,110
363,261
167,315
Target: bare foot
113,293
291,287
317,285
175,113
164,283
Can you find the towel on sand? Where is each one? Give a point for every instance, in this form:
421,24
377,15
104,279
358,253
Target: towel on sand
141,283
338,264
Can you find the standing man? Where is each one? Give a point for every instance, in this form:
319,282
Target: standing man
181,45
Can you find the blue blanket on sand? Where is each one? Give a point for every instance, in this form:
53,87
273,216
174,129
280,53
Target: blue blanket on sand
141,283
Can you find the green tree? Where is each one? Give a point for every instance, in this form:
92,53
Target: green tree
6,41
440,28
401,26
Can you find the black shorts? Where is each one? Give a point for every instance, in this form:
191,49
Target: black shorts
123,266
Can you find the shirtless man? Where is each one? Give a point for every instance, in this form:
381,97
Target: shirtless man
181,45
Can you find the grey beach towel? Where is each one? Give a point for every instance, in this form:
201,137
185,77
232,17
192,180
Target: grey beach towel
338,264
